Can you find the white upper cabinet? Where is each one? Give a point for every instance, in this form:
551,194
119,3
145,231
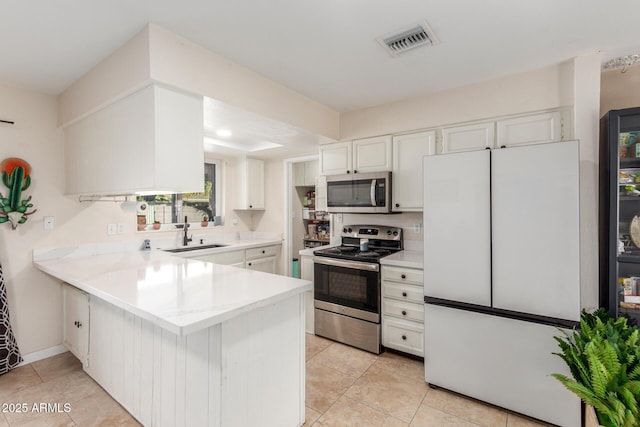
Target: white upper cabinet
531,129
305,173
408,151
150,141
477,136
372,154
359,156
250,192
336,158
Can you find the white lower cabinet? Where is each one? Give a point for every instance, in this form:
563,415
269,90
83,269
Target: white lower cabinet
404,336
245,371
403,309
76,322
263,259
266,265
225,258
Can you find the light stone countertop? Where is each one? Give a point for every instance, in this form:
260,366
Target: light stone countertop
411,259
175,293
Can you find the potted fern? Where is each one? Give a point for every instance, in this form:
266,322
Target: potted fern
604,359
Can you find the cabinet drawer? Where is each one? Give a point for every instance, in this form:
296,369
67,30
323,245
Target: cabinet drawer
404,292
263,252
403,336
403,310
402,274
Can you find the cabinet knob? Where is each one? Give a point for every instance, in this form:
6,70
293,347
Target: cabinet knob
75,323
263,251
250,206
404,294
503,146
487,148
404,313
355,171
404,276
249,264
397,205
348,171
404,337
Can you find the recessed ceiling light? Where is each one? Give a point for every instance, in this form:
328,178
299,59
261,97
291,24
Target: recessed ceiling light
223,132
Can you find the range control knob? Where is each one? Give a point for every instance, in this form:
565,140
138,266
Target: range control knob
344,230
350,229
395,233
389,232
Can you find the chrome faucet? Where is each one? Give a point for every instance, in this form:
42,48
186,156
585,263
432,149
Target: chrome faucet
186,239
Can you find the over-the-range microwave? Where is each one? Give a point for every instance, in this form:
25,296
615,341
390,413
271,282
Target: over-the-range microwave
359,193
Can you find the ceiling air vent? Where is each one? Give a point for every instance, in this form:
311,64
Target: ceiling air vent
408,38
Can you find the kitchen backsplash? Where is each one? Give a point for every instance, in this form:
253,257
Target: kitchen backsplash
405,220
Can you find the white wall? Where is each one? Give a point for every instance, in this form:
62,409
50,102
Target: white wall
35,299
620,90
548,87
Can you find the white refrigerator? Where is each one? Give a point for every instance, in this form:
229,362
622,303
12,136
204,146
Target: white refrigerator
502,274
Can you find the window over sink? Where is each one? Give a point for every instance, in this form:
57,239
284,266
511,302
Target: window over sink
157,211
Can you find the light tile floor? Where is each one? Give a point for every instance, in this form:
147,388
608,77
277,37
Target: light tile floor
345,387
349,387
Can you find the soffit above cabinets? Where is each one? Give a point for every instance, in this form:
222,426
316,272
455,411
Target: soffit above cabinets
252,134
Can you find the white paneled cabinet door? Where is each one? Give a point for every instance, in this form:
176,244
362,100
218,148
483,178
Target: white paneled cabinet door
250,175
311,169
372,154
457,192
531,129
408,151
76,322
535,206
477,136
255,181
266,265
335,158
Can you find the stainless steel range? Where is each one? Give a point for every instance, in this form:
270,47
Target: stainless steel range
347,285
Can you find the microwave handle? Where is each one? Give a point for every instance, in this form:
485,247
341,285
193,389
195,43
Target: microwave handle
373,192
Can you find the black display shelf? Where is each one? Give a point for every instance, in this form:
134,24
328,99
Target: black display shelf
630,163
632,259
617,207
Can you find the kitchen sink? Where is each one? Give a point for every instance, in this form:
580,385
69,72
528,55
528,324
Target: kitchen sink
195,248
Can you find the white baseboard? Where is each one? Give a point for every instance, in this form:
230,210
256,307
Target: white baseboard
43,354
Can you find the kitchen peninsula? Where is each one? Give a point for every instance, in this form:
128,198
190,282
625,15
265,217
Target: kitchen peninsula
182,342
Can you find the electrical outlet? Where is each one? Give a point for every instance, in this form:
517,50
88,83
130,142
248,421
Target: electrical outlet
48,223
111,229
339,217
417,228
120,228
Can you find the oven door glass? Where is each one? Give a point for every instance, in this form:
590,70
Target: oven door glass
347,286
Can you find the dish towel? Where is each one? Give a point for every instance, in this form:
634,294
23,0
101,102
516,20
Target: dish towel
9,354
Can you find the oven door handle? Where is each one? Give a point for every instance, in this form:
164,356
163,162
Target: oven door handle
373,192
347,264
